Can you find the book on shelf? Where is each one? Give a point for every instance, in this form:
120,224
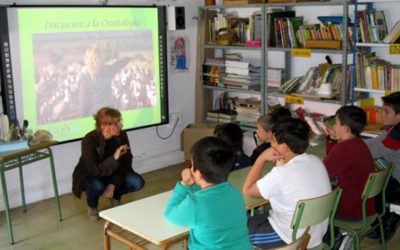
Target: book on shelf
237,64
243,29
371,25
271,24
275,77
308,85
212,75
381,163
256,26
215,61
375,73
394,34
220,115
248,110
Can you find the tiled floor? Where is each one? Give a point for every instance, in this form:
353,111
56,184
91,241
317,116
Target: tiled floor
40,229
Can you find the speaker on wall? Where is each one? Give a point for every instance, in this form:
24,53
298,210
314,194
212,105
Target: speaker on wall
176,18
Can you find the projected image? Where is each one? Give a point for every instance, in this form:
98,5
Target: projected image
77,73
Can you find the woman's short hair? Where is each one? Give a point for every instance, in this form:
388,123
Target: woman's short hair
106,116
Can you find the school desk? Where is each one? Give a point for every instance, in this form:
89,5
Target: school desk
145,219
17,159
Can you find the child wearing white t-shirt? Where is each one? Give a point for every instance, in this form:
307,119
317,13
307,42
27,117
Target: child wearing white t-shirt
298,176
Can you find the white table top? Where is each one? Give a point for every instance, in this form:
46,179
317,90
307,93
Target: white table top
145,217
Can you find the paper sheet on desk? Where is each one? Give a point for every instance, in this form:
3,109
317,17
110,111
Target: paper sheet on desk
13,146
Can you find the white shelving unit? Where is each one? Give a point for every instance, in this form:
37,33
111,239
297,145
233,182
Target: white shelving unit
205,95
382,49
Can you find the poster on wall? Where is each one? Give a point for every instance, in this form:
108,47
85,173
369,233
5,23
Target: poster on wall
179,56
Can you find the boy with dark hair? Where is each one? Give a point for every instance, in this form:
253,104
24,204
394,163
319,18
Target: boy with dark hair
387,146
206,203
349,161
264,127
299,176
232,134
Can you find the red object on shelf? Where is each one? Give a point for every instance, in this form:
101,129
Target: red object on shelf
253,43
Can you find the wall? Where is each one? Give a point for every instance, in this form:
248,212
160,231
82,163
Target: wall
150,152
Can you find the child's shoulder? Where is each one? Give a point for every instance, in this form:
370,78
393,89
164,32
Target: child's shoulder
392,138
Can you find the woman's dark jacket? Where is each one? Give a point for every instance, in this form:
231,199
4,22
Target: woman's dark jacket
97,159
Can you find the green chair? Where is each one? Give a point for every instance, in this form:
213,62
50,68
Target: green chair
376,184
313,211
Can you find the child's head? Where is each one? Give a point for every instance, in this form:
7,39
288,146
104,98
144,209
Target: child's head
230,133
292,132
349,120
390,111
267,121
214,159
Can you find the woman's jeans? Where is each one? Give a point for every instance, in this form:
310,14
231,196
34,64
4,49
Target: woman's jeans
95,186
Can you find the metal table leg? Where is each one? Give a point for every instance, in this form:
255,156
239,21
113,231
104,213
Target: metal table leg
6,204
21,184
53,175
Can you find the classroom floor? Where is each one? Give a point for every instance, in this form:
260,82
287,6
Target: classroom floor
39,228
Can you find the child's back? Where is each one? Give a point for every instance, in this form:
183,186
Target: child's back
219,220
349,161
212,209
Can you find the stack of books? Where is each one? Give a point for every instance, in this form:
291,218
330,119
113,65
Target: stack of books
213,71
242,75
248,110
222,116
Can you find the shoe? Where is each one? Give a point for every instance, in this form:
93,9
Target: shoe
115,202
338,241
347,243
391,225
93,213
376,234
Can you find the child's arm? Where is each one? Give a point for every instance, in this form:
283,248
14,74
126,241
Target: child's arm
180,209
334,161
250,185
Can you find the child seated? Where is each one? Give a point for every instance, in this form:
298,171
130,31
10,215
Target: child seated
206,203
264,126
349,161
300,176
232,134
387,146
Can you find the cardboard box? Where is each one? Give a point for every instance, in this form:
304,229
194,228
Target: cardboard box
192,133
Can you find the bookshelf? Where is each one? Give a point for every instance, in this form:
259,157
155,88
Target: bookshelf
377,48
205,95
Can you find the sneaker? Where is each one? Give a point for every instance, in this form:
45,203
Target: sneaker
390,226
115,202
93,213
346,243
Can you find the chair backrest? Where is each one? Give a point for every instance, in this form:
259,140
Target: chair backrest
313,211
376,184
301,243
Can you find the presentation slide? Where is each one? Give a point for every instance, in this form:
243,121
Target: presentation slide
67,62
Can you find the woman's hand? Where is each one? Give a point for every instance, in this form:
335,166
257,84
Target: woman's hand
121,150
109,192
187,177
